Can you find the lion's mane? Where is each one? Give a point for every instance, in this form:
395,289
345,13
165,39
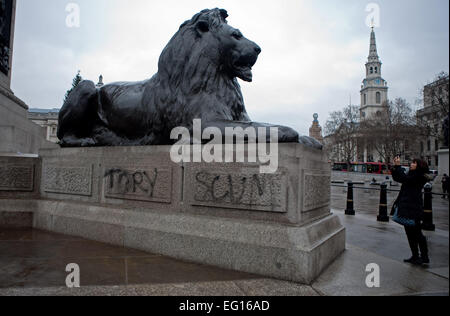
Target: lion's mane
188,77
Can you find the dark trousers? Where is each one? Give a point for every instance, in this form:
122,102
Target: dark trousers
417,241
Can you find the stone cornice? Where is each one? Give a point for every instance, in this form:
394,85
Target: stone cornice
374,88
429,110
9,94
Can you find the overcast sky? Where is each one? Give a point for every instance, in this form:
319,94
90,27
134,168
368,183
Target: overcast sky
312,61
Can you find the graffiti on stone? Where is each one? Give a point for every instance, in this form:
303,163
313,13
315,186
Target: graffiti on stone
257,192
144,184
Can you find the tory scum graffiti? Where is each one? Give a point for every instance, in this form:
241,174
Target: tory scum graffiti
125,182
255,191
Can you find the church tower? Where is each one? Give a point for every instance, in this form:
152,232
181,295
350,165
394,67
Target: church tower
374,90
316,130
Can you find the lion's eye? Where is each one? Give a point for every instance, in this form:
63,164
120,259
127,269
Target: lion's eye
237,36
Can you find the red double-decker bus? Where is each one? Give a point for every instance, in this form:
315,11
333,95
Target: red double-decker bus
363,167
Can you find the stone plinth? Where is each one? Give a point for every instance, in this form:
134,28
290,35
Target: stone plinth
18,134
227,215
298,193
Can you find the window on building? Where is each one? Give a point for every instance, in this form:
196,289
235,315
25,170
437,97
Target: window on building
422,147
376,70
436,145
429,146
436,159
371,70
378,98
365,99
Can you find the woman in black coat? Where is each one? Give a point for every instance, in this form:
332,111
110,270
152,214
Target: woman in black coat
410,206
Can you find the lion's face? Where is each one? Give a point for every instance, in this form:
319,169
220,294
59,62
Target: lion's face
238,53
234,54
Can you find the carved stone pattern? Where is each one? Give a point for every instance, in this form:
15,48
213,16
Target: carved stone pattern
66,180
251,191
17,178
317,191
145,183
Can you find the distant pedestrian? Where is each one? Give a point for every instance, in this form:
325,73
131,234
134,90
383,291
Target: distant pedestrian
409,207
445,180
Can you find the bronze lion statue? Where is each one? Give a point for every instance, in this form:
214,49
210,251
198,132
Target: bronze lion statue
196,79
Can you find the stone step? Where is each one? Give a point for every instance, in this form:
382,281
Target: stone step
16,219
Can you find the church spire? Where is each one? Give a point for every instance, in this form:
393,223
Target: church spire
373,55
374,90
373,64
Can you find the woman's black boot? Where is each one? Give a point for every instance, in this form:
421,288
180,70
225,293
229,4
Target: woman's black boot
414,260
425,260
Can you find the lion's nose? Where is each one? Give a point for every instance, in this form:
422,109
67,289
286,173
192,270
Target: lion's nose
258,49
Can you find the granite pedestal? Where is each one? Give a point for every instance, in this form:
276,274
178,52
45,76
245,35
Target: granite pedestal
227,215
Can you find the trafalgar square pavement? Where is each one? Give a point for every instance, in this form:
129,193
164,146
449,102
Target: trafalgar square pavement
33,262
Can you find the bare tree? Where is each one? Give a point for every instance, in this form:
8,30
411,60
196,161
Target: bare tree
342,131
393,132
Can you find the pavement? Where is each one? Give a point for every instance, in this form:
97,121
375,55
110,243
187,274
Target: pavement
33,262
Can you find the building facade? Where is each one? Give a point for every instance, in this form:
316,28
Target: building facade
436,103
48,120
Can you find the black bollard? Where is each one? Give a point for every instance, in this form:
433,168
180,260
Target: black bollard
383,216
350,205
428,224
